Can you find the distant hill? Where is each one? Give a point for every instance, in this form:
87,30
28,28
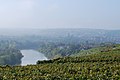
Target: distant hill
91,35
99,50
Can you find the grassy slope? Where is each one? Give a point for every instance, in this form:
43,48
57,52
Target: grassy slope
105,49
105,65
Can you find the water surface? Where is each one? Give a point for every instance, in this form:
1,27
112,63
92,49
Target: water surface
31,57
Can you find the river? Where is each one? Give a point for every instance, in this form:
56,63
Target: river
31,57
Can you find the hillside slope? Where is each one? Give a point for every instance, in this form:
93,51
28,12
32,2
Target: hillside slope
98,50
105,65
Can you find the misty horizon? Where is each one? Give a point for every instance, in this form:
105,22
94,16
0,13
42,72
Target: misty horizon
37,28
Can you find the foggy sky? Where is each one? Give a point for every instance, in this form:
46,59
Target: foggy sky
101,14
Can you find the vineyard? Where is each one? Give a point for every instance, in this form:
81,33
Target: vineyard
102,66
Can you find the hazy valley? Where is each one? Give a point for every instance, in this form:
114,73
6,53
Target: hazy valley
60,54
